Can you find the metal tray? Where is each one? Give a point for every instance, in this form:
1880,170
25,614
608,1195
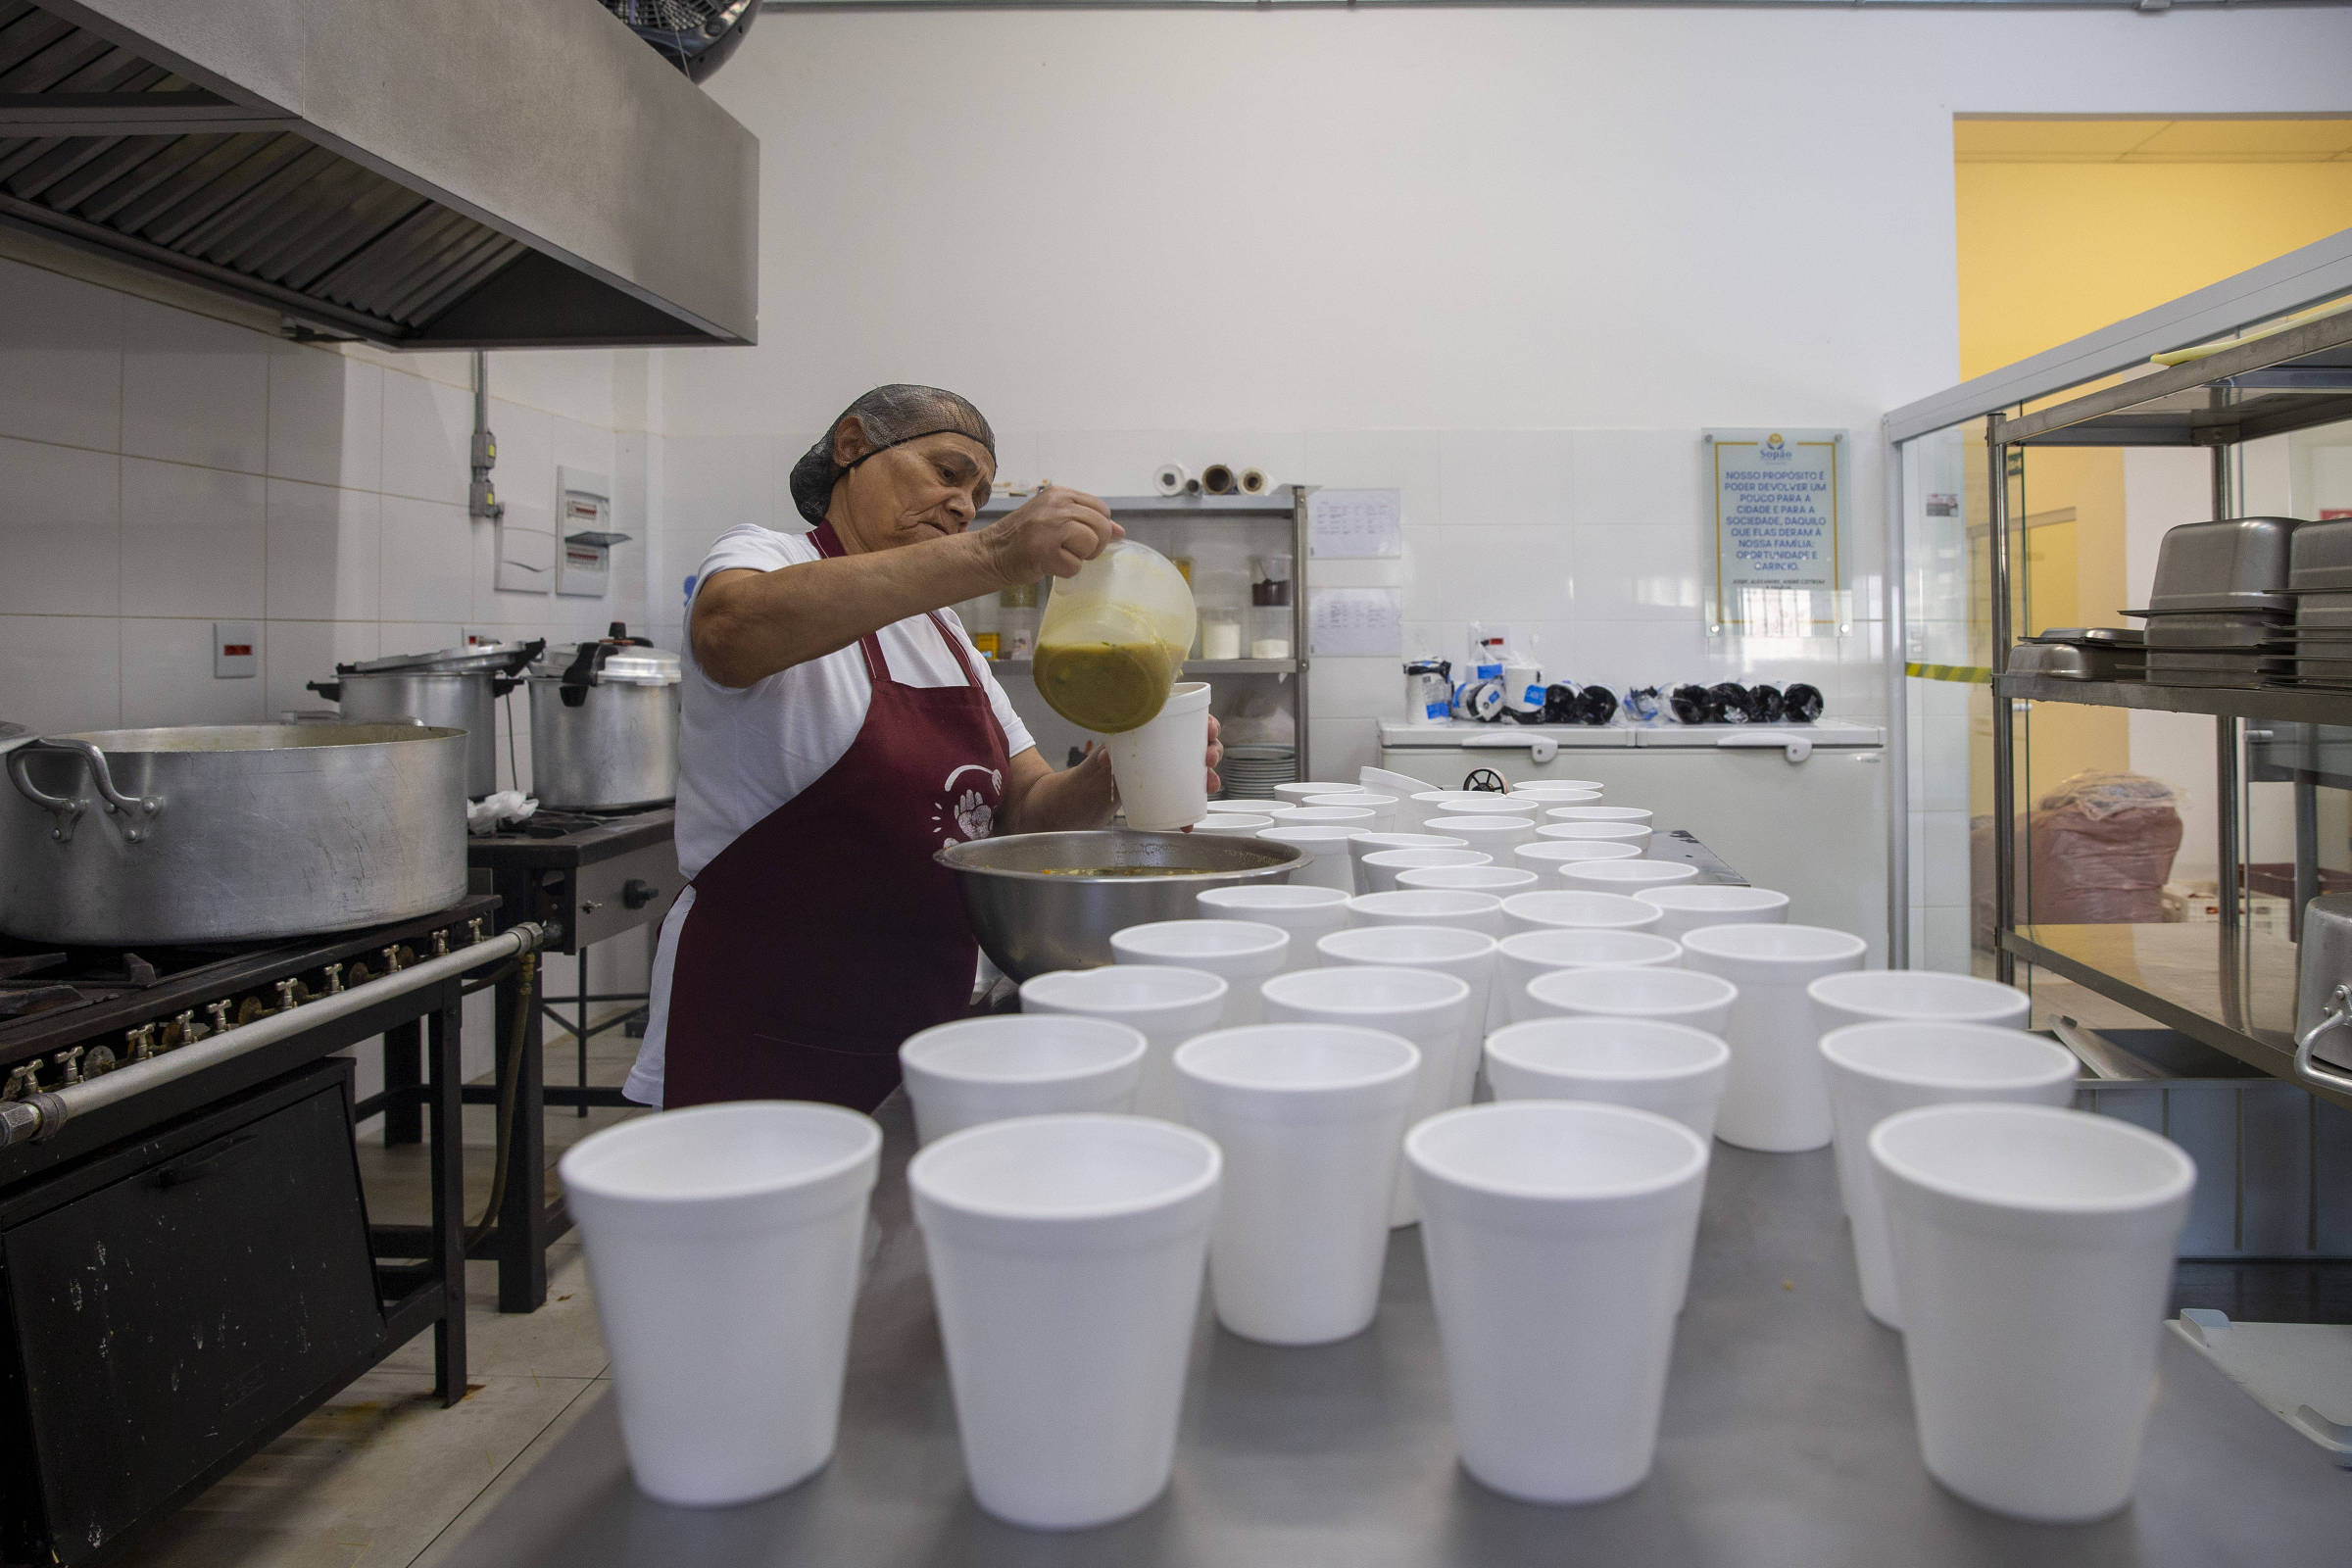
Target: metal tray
2230,563
2320,558
2065,662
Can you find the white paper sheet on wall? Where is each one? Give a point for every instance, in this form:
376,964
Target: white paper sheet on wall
1355,623
1358,523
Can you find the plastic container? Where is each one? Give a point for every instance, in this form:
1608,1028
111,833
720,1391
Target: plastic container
1647,1064
1326,843
1221,633
1687,907
2033,1256
1876,1071
1777,1099
1525,955
1626,876
1306,912
1169,1004
1066,1255
972,1071
1548,856
1481,912
1310,1118
1377,871
1245,954
1450,949
1113,639
1703,1001
1558,1238
1161,767
1576,908
744,1221
1016,621
1428,1009
1381,807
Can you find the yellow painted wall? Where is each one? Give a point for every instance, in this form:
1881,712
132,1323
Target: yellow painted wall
2061,234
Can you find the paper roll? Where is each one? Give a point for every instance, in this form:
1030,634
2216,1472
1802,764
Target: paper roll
1171,479
1254,482
1218,479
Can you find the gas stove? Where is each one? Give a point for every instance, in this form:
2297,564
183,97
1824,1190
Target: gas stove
67,1013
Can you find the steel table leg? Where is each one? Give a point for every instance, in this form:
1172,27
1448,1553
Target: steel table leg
521,1242
404,1081
448,1249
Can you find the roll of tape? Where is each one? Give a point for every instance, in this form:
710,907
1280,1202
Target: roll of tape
1171,479
1218,479
1254,482
1480,700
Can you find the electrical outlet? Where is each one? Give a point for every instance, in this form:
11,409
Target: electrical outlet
236,648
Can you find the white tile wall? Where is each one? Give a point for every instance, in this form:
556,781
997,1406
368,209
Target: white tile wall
194,540
194,390
61,532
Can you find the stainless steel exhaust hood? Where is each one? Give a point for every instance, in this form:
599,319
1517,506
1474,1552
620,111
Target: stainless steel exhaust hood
427,173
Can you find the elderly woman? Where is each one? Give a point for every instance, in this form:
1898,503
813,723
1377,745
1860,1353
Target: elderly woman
837,730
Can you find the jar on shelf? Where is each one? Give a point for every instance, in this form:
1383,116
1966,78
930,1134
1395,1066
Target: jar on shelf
1016,622
1270,606
1220,633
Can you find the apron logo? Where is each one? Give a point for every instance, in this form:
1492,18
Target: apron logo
974,813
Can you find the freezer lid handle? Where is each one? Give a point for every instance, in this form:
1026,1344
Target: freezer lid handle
1539,748
1796,747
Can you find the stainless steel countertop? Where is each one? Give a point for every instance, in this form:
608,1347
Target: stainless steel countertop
1787,1440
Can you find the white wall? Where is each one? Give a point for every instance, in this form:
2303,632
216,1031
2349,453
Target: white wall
1511,260
167,461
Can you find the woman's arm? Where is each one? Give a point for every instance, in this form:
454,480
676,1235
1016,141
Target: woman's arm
748,624
1037,799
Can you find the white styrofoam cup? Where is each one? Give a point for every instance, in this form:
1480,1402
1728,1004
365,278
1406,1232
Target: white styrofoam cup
1675,996
1161,767
1777,1099
743,1220
1495,879
1169,1004
1558,1240
1879,1070
1451,949
1525,955
1378,870
1325,845
1686,907
1306,912
2033,1257
1548,856
1647,1064
1360,845
1312,1119
1498,833
1066,1255
962,1073
1381,807
1625,876
1243,951
1466,908
1579,908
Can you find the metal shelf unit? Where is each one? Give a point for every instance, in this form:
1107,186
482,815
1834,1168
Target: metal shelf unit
2237,994
1282,504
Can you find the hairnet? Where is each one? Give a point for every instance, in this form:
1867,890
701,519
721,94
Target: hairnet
890,416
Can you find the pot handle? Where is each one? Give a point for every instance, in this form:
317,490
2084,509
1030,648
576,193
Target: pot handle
331,690
69,809
2316,1075
501,685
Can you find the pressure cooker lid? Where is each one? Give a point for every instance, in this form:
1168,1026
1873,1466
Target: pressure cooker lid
606,663
480,659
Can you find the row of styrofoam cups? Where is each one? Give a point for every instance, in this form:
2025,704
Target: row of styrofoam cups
1067,1248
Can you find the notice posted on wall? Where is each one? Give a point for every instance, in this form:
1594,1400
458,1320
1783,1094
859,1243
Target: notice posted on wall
1363,524
1355,622
1776,532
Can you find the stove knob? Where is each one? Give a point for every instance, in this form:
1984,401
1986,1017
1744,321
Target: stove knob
25,1080
99,1062
636,892
441,944
334,979
142,1039
70,1062
189,1030
391,956
474,926
220,1012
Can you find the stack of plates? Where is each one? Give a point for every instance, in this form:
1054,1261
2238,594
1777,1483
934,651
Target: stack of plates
1250,773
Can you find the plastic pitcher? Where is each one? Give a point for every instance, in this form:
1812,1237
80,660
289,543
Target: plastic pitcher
1113,639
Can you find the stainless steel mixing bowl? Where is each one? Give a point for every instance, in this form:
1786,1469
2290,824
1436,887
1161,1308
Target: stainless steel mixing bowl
1030,922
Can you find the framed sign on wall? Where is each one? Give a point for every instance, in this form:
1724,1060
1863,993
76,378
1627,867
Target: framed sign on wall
1779,559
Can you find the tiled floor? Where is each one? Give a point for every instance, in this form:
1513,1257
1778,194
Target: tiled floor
382,1476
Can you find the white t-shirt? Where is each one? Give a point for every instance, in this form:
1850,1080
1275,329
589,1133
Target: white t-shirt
743,752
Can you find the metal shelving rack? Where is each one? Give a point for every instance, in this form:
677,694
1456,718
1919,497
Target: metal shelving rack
1283,501
2239,996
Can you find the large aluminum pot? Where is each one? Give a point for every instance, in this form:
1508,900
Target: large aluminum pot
1035,909
605,727
432,697
231,833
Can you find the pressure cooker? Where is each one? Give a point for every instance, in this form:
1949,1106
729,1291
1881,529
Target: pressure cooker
604,725
454,687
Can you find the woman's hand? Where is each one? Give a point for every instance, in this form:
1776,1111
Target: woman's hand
1217,755
1053,533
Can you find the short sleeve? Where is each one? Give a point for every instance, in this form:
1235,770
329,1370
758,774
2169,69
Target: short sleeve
748,546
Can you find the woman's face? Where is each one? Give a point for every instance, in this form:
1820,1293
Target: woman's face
929,488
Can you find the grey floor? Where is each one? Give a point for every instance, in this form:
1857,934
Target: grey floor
382,1476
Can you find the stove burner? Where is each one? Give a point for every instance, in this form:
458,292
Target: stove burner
19,1002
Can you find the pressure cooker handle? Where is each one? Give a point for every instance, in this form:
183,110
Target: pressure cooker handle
331,690
68,809
500,685
2337,1012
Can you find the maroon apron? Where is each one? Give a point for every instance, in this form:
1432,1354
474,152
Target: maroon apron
824,936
